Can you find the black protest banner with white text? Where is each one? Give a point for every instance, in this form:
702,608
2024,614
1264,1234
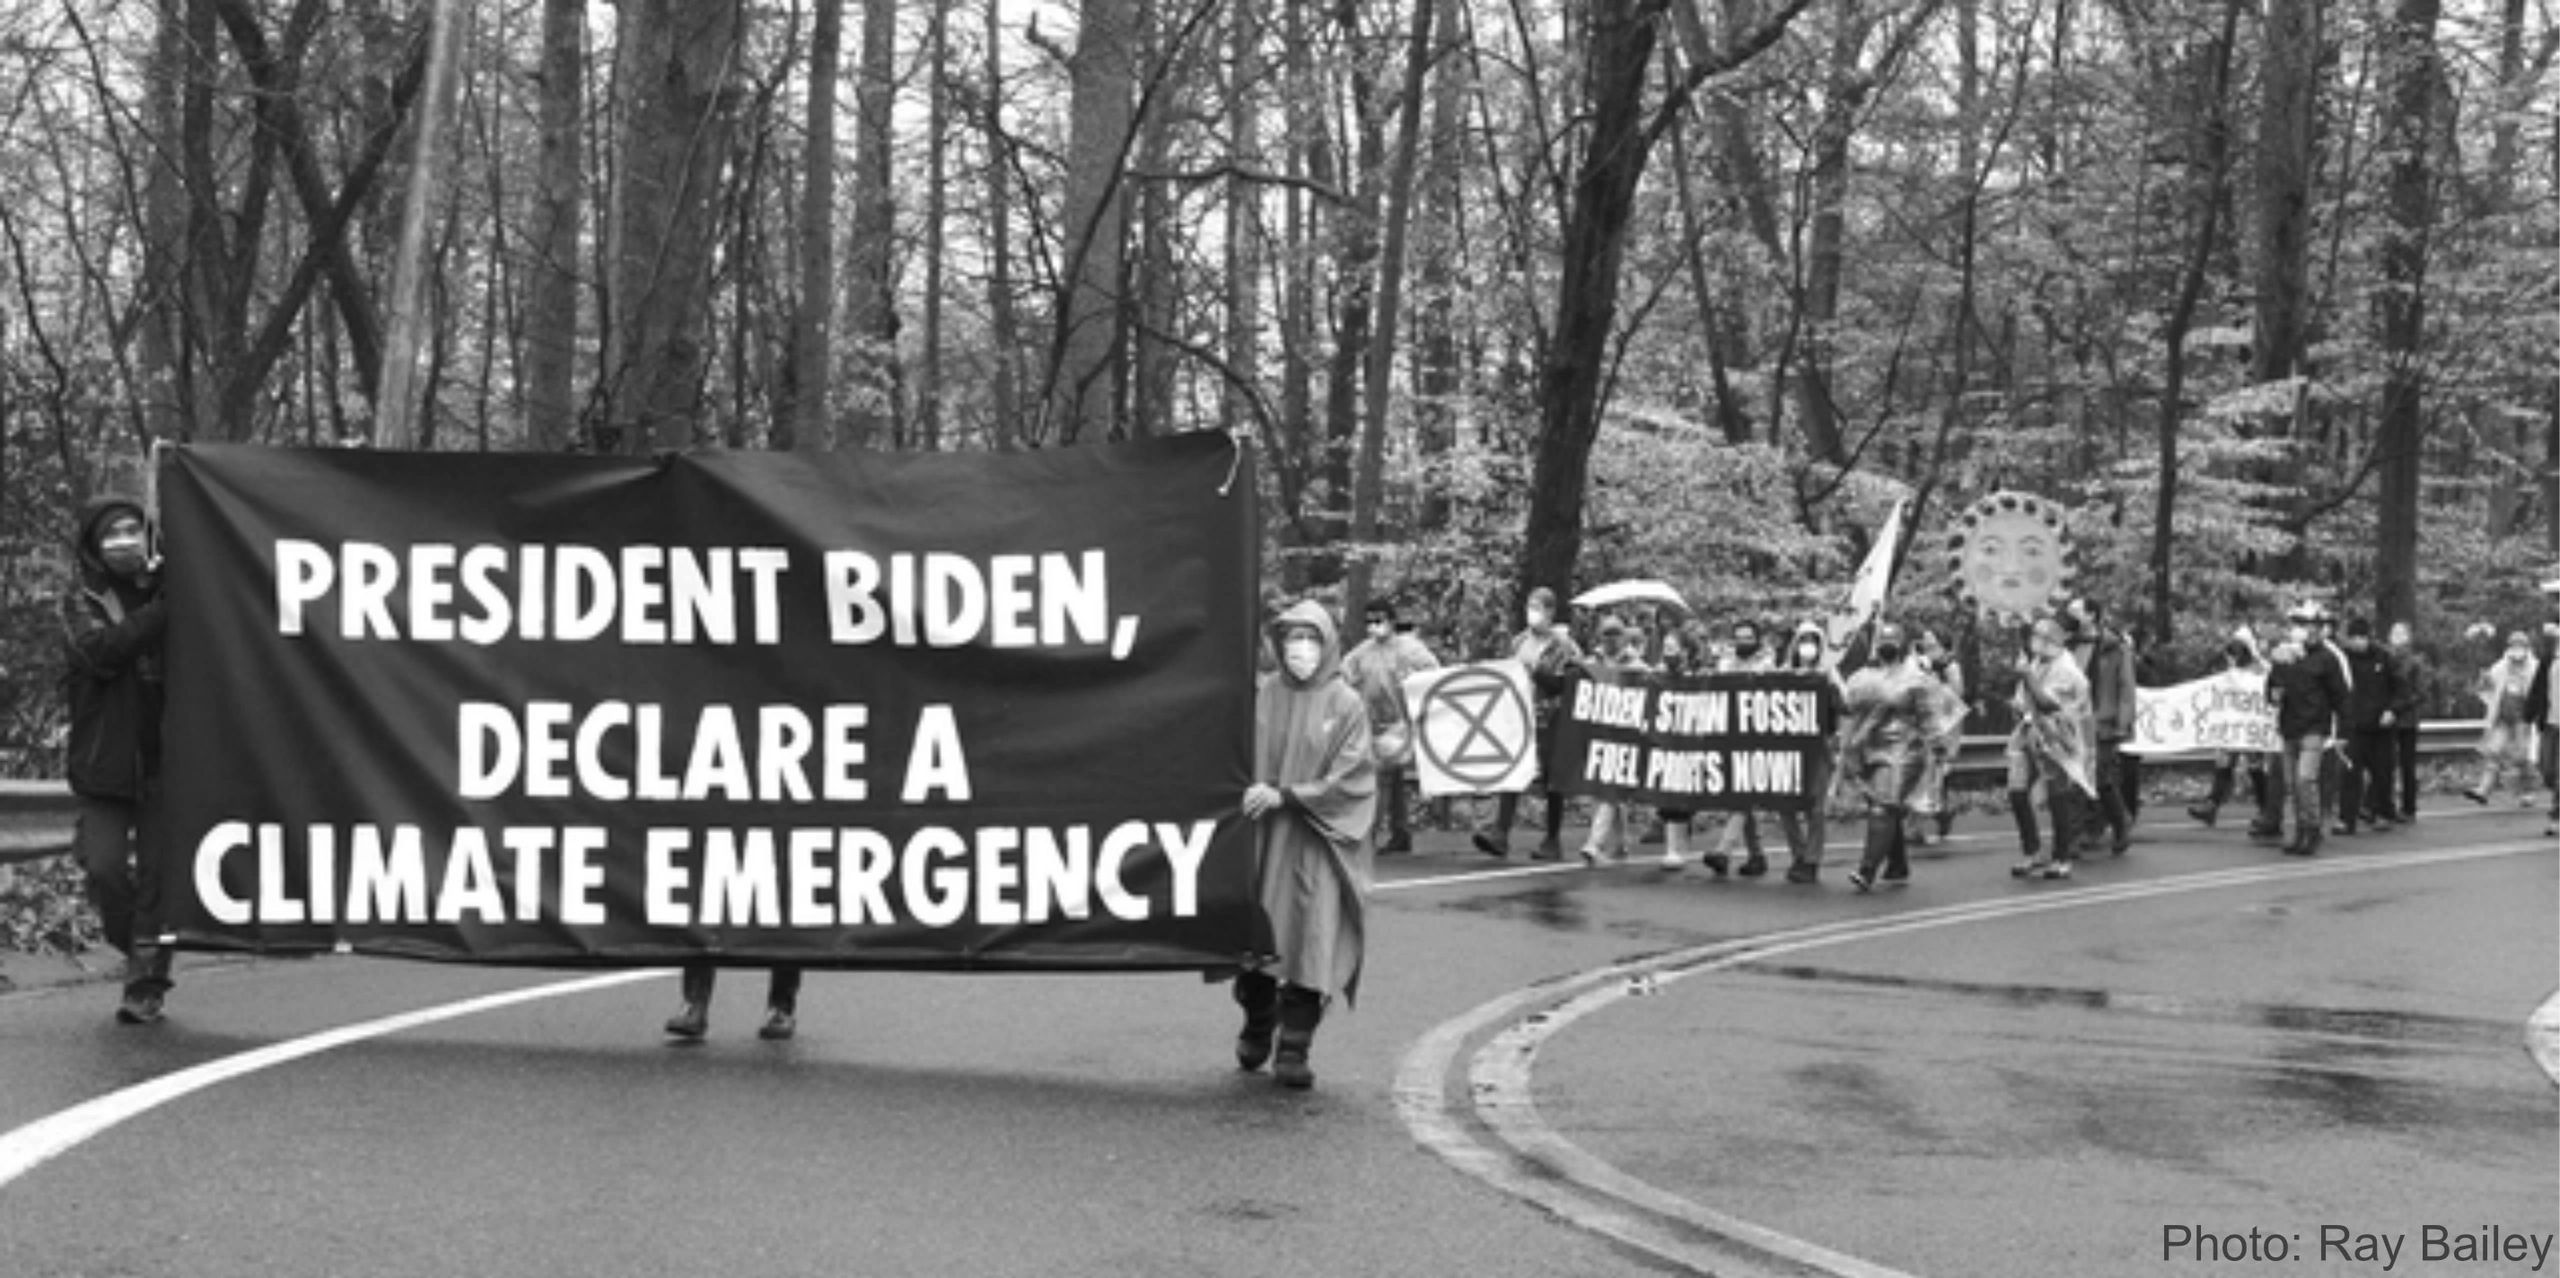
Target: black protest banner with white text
1700,743
842,710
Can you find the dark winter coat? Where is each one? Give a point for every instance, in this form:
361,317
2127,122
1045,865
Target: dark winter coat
2375,688
112,629
2309,693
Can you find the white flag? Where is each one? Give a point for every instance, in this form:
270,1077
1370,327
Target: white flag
1875,576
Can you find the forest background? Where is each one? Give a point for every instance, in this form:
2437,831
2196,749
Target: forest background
2264,295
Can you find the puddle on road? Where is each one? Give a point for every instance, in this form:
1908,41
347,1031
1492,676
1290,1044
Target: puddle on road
1551,906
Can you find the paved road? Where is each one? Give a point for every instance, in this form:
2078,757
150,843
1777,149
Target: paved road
1554,1071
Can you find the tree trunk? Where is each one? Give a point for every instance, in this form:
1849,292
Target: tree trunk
937,192
871,313
2413,86
1003,328
804,414
551,278
2285,161
2204,203
1082,383
1368,487
1243,240
1620,40
674,144
1437,361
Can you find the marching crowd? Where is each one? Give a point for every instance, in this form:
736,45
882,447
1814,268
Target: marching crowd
1334,745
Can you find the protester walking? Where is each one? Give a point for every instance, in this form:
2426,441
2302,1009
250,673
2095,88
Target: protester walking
2540,711
1746,655
1809,652
1888,712
1313,802
1618,656
1548,651
2239,659
2108,665
2309,692
1682,655
115,623
1377,668
2052,748
1930,806
2372,694
2507,733
2412,682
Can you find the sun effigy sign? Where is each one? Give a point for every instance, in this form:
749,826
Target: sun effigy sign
1699,743
841,710
2010,557
2227,711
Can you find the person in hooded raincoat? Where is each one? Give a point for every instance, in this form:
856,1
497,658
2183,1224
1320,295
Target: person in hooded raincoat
115,622
1891,711
1313,801
2052,746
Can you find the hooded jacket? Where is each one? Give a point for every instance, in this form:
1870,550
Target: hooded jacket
1311,742
112,630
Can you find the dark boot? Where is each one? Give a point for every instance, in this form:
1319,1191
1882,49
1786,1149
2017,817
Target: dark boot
693,1020
2214,798
146,983
2022,805
1300,1011
1259,995
1551,848
1882,825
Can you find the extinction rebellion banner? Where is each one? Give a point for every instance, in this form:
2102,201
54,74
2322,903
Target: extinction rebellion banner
848,710
1702,743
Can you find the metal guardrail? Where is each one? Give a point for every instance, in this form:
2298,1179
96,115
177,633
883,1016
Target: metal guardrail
1989,753
35,816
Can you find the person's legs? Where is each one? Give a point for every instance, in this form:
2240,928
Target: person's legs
1301,1010
2271,800
2022,807
2405,759
102,835
694,987
1496,839
2304,761
1398,815
1259,995
2351,770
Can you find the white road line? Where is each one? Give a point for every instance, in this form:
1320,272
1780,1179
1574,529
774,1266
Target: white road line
1545,1168
23,1150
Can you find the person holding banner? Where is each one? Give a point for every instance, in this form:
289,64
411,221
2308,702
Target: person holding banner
1618,658
1313,801
781,1003
2239,658
115,623
1377,667
1808,652
2107,662
2052,746
1742,828
1547,649
1683,654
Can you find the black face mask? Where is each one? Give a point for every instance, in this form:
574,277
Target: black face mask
1888,653
1747,648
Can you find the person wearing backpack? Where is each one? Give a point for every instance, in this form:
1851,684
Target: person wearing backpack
115,621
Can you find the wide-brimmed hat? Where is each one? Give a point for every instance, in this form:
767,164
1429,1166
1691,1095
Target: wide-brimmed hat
2309,610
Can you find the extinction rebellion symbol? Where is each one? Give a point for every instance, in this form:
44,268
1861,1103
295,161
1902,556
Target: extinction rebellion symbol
1474,726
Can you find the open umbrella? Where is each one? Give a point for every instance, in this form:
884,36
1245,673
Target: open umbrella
1632,590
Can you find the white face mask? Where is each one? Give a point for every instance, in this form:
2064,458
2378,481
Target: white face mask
1539,619
1301,656
122,550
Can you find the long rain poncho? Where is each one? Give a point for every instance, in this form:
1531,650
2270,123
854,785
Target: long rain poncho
1312,742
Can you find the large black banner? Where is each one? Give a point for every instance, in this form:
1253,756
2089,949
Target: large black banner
1701,743
844,710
